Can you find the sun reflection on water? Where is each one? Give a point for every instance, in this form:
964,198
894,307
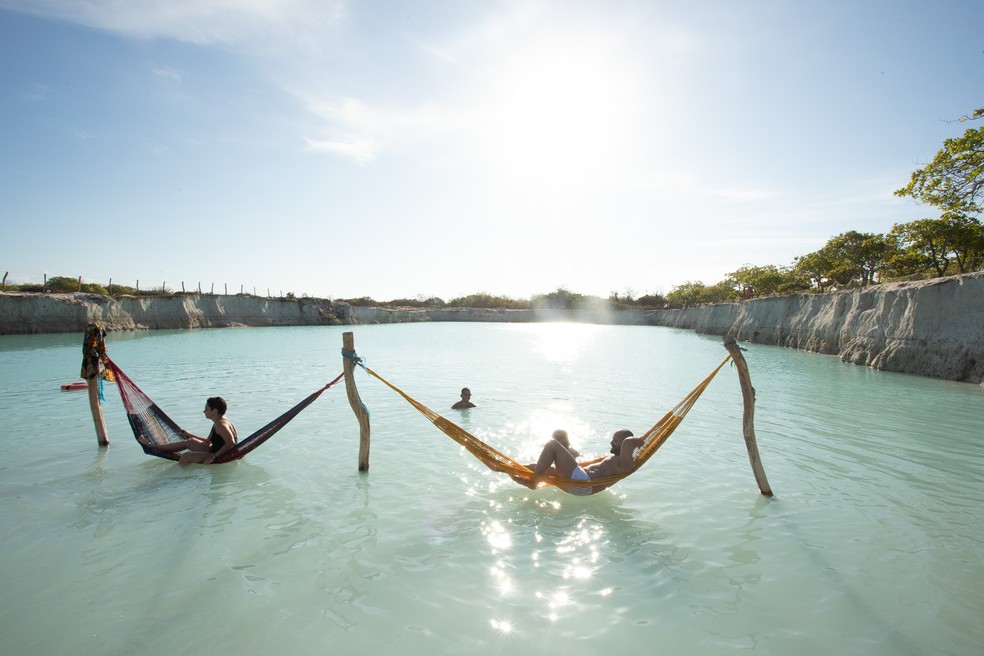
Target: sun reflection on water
496,535
564,342
501,626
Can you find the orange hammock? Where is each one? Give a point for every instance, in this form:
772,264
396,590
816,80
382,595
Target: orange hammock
500,462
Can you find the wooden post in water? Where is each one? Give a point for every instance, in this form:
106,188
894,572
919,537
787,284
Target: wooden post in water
93,347
358,407
98,420
748,418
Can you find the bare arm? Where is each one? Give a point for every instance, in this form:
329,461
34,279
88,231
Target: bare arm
191,436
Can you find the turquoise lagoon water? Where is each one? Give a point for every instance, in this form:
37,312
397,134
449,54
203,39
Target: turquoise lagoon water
873,543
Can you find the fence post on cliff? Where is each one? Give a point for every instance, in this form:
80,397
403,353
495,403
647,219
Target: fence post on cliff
349,359
748,417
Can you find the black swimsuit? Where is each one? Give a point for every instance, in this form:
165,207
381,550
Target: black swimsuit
216,441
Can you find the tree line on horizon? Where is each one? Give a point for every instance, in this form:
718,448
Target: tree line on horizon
952,183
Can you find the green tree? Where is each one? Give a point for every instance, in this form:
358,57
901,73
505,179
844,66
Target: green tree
968,244
697,293
765,280
62,284
817,267
561,299
857,257
488,301
953,243
954,181
651,302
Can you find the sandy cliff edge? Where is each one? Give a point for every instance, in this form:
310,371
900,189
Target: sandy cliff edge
58,313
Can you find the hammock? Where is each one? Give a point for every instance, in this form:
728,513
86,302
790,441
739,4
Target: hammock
148,420
500,462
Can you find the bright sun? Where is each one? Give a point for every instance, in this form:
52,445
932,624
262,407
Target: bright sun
559,108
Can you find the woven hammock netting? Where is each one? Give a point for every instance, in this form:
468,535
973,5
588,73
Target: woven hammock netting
148,420
495,460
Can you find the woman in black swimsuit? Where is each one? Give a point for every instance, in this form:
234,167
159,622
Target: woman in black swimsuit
203,450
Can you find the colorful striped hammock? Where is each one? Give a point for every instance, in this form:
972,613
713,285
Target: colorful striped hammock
149,421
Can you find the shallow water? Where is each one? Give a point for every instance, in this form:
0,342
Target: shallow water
872,545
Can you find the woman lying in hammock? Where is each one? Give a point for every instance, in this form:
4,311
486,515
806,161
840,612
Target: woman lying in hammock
198,449
557,459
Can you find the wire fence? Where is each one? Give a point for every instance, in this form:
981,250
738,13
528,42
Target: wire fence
68,285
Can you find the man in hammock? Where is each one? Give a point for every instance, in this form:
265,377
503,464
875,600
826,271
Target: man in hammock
198,449
557,459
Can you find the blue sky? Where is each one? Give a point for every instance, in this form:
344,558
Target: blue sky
442,148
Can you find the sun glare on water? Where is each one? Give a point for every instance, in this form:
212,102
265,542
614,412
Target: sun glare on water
565,342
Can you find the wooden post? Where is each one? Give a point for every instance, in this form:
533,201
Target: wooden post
93,348
748,418
359,408
102,436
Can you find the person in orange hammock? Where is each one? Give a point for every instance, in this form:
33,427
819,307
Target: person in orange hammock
198,449
557,459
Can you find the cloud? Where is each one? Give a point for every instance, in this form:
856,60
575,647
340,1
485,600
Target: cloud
360,149
168,73
667,184
356,130
35,93
196,21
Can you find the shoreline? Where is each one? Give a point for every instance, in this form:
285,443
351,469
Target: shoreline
931,328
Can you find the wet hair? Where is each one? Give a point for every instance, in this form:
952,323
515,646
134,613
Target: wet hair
217,403
465,390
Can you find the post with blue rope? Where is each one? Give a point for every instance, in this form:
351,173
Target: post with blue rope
349,360
93,372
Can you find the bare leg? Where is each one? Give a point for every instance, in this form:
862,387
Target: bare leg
554,453
196,457
171,447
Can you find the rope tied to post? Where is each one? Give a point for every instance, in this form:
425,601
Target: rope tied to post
353,357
